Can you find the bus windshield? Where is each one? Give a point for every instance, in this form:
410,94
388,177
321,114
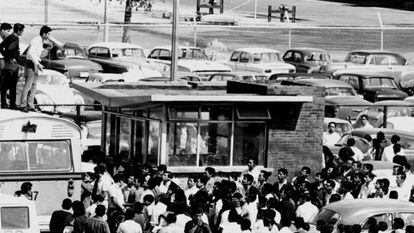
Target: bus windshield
23,156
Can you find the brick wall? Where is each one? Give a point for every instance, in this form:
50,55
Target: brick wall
295,134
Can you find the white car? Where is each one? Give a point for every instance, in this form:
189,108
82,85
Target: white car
190,59
52,89
122,58
260,60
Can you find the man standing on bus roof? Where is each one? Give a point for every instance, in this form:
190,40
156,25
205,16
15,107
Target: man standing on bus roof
102,184
37,49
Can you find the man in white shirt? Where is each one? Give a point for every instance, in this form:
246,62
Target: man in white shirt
159,208
330,138
388,153
129,225
192,188
172,226
402,188
307,210
37,48
365,123
116,197
368,188
253,170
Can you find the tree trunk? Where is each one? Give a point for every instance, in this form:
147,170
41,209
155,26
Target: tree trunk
126,37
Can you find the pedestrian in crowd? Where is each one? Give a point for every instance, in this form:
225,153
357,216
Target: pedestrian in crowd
37,49
307,210
10,50
365,123
97,224
252,169
368,188
331,137
210,173
197,225
388,153
61,218
129,225
5,30
191,188
398,225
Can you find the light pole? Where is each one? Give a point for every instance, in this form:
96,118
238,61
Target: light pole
174,40
46,11
105,19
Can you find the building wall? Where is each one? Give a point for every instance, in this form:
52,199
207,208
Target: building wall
295,133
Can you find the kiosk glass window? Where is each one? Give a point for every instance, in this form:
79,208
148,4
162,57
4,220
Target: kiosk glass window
124,137
182,143
153,141
249,142
215,144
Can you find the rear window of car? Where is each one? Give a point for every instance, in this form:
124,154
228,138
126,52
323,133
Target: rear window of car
341,91
329,216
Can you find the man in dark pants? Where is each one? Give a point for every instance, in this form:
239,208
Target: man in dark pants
9,48
5,29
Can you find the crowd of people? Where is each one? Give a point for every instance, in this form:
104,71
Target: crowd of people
124,198
30,61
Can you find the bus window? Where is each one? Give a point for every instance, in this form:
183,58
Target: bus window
42,155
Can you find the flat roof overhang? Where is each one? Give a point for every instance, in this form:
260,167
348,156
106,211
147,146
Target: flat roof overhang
119,97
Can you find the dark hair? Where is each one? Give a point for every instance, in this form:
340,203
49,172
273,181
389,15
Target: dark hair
5,26
332,122
393,194
328,228
78,208
25,187
118,178
356,228
203,179
99,169
248,177
284,171
17,27
365,115
233,216
383,226
350,142
67,204
395,139
245,224
45,30
396,148
171,218
299,222
369,167
162,167
138,207
100,210
409,229
210,171
334,198
306,226
398,223
129,214
148,198
306,169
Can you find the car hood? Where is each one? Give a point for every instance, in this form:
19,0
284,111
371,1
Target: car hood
130,60
203,65
59,95
346,100
80,63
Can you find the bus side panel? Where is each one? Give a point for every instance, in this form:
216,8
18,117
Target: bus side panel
50,193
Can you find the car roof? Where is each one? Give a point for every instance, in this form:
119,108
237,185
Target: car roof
373,51
367,74
393,103
168,47
388,132
257,50
356,210
324,82
307,50
117,45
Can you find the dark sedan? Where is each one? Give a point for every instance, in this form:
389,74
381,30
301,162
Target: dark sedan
374,86
306,60
71,61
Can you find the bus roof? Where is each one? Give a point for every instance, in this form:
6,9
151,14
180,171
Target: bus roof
12,126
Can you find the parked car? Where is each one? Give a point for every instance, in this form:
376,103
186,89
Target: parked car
91,135
405,123
295,76
122,58
306,60
190,59
53,89
341,100
70,61
261,60
373,86
407,140
358,211
375,112
242,76
365,59
342,126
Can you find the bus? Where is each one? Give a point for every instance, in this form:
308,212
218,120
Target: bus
45,151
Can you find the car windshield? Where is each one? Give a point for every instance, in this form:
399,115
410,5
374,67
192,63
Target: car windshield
378,82
266,57
328,216
128,52
54,80
374,59
340,128
195,54
316,56
356,58
72,53
341,91
378,112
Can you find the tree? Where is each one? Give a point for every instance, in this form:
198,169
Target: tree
126,37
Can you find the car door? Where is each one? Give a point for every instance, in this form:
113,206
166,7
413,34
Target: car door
234,60
300,62
243,62
384,217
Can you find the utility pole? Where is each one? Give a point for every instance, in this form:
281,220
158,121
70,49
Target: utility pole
174,40
46,11
105,19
